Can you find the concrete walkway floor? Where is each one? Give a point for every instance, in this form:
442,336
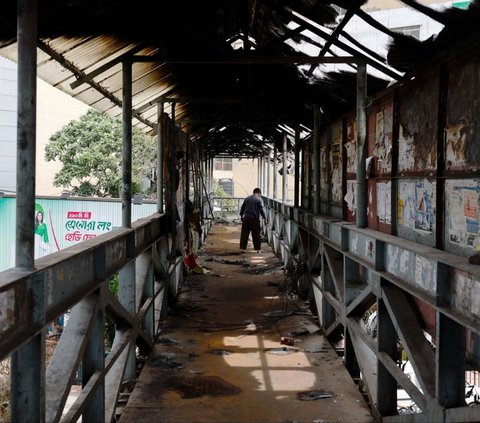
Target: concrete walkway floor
219,356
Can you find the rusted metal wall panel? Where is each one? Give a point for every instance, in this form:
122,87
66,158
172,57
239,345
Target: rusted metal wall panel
336,166
417,139
462,132
324,171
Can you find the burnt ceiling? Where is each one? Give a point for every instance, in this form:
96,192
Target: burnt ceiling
230,66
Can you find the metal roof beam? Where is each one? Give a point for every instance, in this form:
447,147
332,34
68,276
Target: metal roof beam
246,60
359,55
77,72
89,76
334,35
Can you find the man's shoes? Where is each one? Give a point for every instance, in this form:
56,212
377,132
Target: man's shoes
242,250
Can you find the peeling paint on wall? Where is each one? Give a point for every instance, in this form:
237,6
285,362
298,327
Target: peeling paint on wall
6,310
463,117
351,147
384,202
336,163
466,293
425,274
350,196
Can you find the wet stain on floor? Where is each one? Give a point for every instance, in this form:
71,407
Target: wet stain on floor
199,386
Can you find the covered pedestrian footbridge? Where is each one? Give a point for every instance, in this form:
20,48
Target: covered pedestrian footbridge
384,215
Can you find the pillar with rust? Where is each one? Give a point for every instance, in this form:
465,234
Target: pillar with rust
275,170
126,276
28,370
361,195
267,192
296,191
284,170
316,160
160,149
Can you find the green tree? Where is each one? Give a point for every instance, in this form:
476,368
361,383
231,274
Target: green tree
90,150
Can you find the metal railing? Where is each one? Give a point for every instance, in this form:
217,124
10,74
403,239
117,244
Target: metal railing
352,270
76,280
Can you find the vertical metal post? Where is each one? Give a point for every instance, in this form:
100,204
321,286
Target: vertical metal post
28,370
296,190
172,170
316,160
160,149
268,174
284,169
127,146
126,276
187,169
361,200
26,133
258,172
93,361
450,380
275,170
387,342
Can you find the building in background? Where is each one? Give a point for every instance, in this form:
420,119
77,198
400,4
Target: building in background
54,110
239,177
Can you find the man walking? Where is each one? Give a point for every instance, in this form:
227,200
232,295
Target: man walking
250,212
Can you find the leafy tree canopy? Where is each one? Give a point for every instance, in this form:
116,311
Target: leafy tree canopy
90,150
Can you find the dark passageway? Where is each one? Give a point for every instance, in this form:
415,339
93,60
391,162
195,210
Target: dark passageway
219,358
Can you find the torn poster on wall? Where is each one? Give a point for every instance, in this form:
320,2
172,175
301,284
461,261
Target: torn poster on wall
383,139
463,211
406,159
416,205
456,136
351,147
336,162
384,202
350,196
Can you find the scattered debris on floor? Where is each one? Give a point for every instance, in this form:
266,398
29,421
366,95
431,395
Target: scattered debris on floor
314,395
287,341
167,361
226,261
298,332
220,352
281,351
167,341
199,386
278,313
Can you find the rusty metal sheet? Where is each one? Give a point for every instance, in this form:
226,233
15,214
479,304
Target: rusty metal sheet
417,139
463,122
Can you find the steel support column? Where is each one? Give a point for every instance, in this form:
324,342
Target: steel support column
284,170
126,276
296,192
450,380
275,170
387,343
316,160
268,174
160,150
28,370
94,361
361,200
